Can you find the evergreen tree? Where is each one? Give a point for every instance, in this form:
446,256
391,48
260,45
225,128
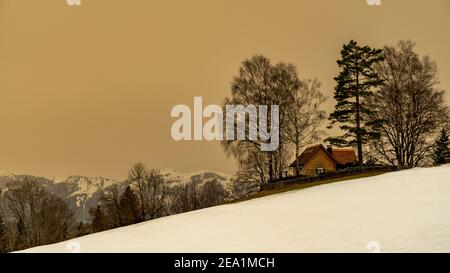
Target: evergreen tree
129,207
442,149
354,82
21,240
81,230
99,220
3,240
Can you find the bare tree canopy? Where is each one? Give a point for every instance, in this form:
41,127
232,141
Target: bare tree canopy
261,83
33,216
151,191
409,108
305,116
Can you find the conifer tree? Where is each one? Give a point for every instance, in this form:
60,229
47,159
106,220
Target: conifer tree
442,148
354,82
129,207
99,220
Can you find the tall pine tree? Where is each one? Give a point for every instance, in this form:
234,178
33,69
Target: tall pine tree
442,149
355,81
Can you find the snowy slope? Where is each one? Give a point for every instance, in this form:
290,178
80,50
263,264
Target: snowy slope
407,211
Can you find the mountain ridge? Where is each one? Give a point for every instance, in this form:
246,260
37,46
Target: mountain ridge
83,192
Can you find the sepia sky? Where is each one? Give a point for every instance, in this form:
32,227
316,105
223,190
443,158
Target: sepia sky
88,90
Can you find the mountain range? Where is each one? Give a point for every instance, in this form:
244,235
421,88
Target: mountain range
82,193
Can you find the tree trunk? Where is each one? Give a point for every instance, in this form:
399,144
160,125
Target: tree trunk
358,124
297,162
270,168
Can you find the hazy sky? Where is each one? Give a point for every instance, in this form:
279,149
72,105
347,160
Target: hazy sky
88,90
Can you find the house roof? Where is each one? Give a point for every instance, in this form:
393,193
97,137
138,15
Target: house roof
308,154
344,155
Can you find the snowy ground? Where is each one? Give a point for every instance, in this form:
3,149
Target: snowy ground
407,211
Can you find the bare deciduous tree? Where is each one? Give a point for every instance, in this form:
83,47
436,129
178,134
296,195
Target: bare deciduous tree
409,108
195,195
261,83
185,197
212,194
156,192
138,176
35,216
111,203
150,190
305,116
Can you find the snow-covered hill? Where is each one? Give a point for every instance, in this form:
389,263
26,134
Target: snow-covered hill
407,211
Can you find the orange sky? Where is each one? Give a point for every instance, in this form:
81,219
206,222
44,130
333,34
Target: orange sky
88,90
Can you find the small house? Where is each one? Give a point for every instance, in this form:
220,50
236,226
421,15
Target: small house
317,159
345,157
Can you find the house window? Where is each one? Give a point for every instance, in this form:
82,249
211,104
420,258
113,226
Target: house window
320,170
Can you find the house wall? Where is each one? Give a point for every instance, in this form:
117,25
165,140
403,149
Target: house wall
320,160
301,170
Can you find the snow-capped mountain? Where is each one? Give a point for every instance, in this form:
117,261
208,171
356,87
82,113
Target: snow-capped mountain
7,177
173,177
83,193
80,192
7,173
